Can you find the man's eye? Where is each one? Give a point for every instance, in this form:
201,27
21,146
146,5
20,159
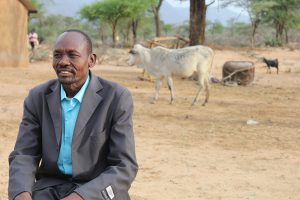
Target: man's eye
56,55
73,55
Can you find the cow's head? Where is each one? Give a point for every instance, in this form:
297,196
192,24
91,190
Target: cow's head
134,56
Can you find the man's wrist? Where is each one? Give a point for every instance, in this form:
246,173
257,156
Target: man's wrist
23,196
78,195
73,196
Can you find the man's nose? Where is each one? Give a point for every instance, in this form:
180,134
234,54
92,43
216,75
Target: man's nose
64,60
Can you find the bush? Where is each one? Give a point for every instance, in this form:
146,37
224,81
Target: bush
273,43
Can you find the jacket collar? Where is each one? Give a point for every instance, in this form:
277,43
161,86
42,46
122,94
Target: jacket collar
91,100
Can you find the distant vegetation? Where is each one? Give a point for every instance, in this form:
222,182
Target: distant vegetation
123,23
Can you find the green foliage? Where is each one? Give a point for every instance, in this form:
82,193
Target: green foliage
36,3
107,10
167,28
237,26
183,29
137,8
235,33
272,42
282,14
112,10
40,5
146,28
215,27
48,27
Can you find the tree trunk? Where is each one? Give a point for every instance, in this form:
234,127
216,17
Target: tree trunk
129,37
254,26
114,39
134,25
286,36
101,35
157,24
197,22
155,10
253,35
279,32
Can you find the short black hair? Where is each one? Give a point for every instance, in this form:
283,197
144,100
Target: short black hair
86,37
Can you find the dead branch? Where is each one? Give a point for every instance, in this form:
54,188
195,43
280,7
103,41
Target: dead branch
233,73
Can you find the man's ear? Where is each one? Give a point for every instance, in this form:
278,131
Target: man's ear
92,60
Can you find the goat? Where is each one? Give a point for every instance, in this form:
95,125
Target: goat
271,63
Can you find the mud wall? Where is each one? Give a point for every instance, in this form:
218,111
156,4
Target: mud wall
13,29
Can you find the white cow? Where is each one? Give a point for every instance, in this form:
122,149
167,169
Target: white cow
162,63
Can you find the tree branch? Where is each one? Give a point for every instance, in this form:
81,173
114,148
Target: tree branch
210,3
236,71
159,4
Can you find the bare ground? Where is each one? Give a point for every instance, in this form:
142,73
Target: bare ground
197,152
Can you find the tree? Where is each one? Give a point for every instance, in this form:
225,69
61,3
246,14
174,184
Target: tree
48,27
155,5
283,14
214,28
35,19
167,28
249,7
237,28
198,10
111,11
146,29
183,29
136,9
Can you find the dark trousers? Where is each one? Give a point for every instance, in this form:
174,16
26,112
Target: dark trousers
54,192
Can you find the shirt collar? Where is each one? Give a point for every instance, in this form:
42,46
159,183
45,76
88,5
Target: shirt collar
80,93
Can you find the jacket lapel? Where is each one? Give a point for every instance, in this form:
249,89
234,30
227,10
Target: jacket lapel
54,105
90,101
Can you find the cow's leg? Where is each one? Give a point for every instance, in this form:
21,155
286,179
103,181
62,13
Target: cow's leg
201,85
146,75
158,84
170,85
206,83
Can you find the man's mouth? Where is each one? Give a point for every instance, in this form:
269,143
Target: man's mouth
65,73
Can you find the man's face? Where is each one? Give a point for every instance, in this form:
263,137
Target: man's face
71,59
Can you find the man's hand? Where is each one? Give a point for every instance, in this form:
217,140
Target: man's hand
23,196
73,196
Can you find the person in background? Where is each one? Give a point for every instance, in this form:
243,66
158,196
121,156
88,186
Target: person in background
75,139
33,39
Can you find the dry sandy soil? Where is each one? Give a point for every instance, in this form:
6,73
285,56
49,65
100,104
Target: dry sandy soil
187,152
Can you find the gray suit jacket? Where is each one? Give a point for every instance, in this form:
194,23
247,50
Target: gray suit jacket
103,149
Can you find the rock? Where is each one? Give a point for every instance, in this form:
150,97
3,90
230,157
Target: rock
252,122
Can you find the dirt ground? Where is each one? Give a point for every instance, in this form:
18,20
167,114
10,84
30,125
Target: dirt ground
197,152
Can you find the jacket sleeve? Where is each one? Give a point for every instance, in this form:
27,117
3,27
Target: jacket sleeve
24,159
116,180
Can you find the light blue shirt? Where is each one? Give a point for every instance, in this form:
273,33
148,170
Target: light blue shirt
70,110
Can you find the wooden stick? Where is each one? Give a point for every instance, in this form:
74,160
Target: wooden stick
233,73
